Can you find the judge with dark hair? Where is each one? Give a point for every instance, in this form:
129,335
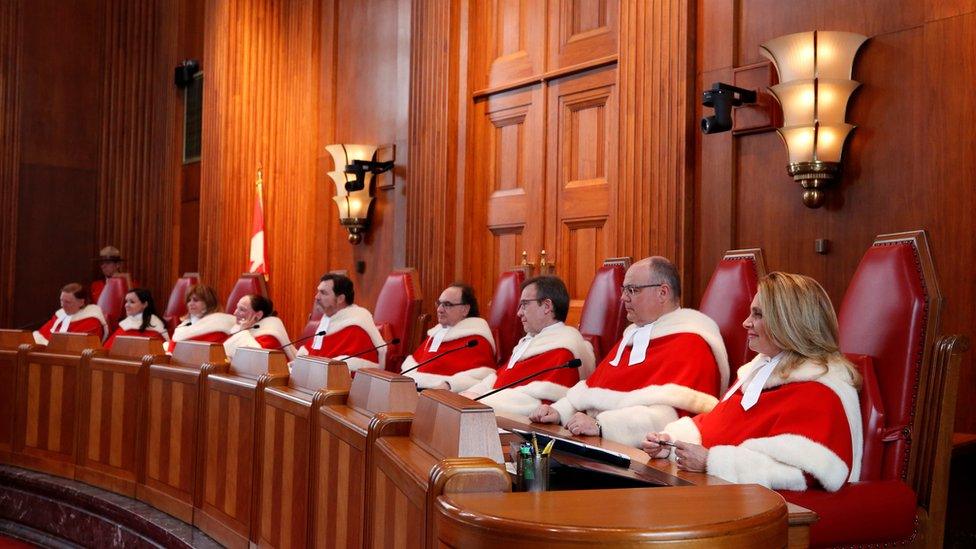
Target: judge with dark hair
141,319
457,324
75,316
346,328
548,342
258,327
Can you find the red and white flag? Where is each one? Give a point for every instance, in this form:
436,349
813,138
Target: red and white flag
259,250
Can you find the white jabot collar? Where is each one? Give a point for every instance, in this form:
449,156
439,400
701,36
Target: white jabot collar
641,338
438,338
523,345
755,382
323,327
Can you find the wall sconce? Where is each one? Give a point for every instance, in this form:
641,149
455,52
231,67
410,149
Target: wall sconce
815,85
355,168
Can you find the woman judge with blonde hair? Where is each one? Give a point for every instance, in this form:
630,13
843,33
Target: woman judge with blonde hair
792,421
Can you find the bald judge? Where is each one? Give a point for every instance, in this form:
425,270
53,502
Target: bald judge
349,328
671,362
445,358
548,343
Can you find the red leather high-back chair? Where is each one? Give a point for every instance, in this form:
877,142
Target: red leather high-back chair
727,298
603,318
502,319
247,284
313,323
891,313
176,306
398,310
112,300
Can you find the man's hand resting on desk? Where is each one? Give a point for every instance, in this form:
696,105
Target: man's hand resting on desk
544,414
582,424
690,457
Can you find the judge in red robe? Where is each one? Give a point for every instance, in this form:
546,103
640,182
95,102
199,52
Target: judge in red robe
349,329
203,321
141,319
446,360
74,316
670,362
548,343
792,421
258,327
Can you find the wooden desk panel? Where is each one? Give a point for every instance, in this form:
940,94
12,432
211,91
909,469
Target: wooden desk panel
339,478
738,516
10,341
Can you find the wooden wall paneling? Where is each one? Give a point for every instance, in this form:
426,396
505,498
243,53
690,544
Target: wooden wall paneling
514,33
581,31
903,165
372,103
432,190
653,199
134,175
581,172
507,160
59,109
261,70
9,153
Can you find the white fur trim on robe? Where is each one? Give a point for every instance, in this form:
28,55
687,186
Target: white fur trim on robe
88,311
461,381
563,337
778,462
522,400
354,315
135,322
694,322
268,326
214,322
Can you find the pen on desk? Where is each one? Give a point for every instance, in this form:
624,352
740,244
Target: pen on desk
535,444
667,443
548,448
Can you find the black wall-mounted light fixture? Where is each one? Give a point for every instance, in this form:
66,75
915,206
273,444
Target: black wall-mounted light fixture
722,97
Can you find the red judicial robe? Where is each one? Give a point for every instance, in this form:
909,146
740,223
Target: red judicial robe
807,425
462,368
213,328
349,331
88,320
556,344
129,326
685,366
268,333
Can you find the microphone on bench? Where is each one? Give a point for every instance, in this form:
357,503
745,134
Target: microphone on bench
393,341
301,339
468,345
575,363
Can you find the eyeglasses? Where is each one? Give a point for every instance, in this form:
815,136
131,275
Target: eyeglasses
525,302
447,304
634,289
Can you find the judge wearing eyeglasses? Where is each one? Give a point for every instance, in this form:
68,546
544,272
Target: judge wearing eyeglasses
446,362
548,343
670,363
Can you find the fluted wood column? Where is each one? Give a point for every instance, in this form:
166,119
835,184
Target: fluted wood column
137,174
261,77
9,152
432,184
656,130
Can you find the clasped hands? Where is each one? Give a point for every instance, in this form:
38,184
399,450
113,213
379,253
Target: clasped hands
579,424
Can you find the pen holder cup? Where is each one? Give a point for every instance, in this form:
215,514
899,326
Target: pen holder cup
532,473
